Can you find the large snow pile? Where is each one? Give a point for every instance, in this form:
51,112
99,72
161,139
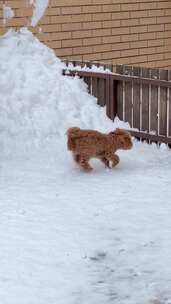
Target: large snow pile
37,101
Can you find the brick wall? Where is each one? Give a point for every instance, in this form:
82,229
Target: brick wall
134,32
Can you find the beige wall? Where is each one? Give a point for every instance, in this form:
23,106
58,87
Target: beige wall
134,32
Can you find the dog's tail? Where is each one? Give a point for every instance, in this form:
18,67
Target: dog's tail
72,133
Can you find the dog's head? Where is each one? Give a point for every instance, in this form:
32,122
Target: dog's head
122,139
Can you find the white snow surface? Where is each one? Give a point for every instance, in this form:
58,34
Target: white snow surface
39,8
68,237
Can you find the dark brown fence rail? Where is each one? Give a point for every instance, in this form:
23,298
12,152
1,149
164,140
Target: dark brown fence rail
136,95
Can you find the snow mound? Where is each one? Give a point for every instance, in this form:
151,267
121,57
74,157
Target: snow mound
37,101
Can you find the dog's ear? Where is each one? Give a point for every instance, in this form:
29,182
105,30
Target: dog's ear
116,132
119,131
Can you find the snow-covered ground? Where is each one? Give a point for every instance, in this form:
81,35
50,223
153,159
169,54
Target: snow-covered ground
68,237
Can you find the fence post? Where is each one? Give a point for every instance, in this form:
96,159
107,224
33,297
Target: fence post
113,97
111,105
108,95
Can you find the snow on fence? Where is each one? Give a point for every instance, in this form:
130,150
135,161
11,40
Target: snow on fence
140,96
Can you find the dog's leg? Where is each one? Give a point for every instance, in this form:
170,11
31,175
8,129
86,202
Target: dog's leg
114,158
83,162
102,157
105,161
76,157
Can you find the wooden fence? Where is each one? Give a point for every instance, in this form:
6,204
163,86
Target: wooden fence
140,96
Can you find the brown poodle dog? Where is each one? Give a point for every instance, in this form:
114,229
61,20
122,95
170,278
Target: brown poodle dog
87,144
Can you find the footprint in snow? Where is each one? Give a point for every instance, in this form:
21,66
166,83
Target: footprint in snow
98,257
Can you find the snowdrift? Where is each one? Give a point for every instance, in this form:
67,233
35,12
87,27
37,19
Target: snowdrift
37,102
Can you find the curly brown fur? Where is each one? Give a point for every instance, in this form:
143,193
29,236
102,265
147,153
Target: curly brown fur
87,144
